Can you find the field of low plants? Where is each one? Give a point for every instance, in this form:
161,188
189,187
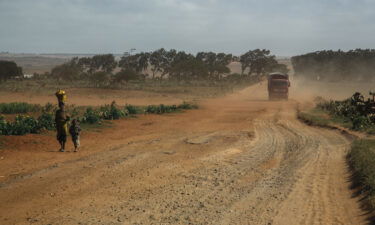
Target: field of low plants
18,107
25,124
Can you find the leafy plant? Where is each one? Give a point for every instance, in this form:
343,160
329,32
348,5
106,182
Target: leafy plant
91,116
186,105
132,109
46,121
112,112
360,112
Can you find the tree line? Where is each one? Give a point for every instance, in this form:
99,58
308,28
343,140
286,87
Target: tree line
328,65
9,69
162,64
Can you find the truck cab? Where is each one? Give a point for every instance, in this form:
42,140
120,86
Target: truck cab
278,86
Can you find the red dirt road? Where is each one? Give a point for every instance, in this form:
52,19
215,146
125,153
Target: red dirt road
236,160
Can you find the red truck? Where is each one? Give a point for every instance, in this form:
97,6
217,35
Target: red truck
278,86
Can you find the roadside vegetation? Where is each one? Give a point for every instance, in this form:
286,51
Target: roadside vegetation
25,124
357,114
362,161
354,113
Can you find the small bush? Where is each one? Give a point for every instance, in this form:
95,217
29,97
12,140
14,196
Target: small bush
160,109
22,125
186,105
132,109
112,112
3,125
46,121
356,110
91,116
18,107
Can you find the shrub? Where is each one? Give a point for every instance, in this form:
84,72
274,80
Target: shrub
46,121
91,116
160,109
355,109
112,112
22,125
133,109
3,125
186,105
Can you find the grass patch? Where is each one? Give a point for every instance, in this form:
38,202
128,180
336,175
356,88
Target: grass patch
362,162
314,117
319,117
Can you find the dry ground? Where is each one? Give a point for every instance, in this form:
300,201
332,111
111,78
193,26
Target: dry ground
239,159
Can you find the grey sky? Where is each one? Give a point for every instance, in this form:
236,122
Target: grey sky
286,27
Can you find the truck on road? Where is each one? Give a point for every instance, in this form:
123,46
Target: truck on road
278,86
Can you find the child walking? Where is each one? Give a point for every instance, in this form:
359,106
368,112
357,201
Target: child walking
74,131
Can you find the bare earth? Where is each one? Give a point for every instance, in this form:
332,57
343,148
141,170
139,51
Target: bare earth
237,160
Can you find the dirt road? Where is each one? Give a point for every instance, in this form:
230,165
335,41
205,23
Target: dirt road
237,160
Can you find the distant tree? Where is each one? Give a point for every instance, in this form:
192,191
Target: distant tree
258,62
9,69
126,76
138,62
157,59
358,64
278,67
69,71
85,64
100,79
106,63
167,61
216,63
186,67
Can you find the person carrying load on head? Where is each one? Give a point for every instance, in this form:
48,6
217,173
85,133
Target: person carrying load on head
61,96
74,131
61,120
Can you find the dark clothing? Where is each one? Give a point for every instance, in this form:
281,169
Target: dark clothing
74,131
61,137
61,120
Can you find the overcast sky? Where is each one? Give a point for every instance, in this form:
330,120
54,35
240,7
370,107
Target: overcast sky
286,27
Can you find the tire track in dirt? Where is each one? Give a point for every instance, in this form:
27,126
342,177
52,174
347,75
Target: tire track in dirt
251,162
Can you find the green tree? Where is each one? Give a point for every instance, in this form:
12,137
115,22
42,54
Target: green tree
138,62
258,62
156,61
106,63
69,71
216,63
9,69
186,67
126,76
100,79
